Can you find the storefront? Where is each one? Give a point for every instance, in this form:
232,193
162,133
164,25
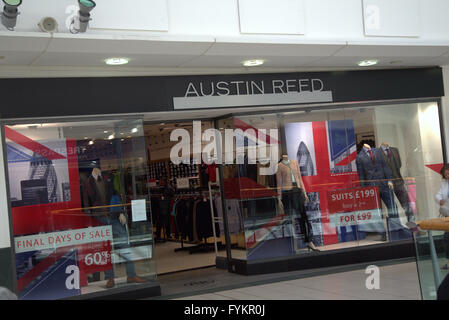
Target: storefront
254,173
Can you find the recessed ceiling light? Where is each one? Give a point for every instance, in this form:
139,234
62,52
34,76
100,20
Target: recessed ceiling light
367,63
116,61
134,130
253,62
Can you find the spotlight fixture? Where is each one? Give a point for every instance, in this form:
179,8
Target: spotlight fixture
253,63
116,61
81,22
10,13
367,63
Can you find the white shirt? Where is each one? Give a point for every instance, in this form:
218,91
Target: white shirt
442,194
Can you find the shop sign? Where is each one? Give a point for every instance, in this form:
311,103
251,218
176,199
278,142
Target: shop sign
231,93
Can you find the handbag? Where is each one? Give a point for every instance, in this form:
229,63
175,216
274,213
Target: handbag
444,209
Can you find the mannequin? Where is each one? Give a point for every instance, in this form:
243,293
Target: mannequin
99,192
292,195
393,160
373,171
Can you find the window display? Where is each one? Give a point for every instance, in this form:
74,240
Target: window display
345,177
74,226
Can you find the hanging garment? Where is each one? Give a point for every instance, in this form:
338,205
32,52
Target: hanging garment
204,222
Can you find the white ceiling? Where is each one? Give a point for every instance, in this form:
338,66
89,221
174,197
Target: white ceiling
27,54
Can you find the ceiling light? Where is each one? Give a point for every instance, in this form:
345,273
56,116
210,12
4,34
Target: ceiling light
253,63
10,13
116,61
367,63
134,130
111,137
91,142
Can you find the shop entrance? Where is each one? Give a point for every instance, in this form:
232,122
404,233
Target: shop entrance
185,203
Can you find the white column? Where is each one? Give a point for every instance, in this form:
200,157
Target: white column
445,107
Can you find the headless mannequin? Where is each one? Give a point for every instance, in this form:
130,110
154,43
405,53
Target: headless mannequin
300,184
394,163
96,173
368,147
283,179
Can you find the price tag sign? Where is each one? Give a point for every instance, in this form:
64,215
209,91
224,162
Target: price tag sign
139,210
354,206
353,200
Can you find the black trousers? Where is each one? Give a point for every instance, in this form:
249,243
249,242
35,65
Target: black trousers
294,204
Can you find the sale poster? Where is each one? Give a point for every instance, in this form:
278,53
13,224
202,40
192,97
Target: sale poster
356,207
56,243
40,256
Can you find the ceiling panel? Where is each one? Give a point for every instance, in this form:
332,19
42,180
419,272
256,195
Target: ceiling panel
24,49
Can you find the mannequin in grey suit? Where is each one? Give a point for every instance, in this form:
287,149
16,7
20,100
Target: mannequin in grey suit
393,161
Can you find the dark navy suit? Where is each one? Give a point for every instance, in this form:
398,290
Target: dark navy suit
376,173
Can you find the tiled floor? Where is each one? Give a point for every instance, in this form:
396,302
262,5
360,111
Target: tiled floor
397,282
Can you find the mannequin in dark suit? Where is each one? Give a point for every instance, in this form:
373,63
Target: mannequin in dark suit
393,161
373,171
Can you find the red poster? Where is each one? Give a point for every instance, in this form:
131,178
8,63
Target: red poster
95,257
355,199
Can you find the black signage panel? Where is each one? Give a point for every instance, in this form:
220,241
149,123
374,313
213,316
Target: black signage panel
52,97
302,88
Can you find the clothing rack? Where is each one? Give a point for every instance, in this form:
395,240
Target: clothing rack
203,246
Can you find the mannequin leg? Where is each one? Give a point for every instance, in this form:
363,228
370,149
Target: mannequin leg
402,195
301,212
